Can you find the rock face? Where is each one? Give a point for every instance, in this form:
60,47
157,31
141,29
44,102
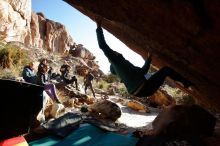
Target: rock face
19,23
50,35
15,18
105,110
183,34
82,52
87,62
161,98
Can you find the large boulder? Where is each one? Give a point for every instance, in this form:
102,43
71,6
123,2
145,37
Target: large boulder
105,110
49,35
184,120
183,34
15,18
82,52
138,106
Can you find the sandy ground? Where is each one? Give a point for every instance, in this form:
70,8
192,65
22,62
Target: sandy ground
135,119
130,117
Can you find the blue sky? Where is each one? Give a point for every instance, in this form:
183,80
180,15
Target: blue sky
82,30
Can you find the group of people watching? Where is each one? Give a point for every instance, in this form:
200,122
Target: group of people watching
42,78
45,74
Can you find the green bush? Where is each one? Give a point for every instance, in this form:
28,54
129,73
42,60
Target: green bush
110,78
186,99
102,85
12,60
123,92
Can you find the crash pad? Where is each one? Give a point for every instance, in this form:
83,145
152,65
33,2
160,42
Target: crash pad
88,135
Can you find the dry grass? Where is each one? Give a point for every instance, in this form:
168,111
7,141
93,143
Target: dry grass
102,85
179,96
62,96
12,60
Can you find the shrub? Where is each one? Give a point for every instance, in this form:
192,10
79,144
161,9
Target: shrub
9,73
110,78
186,99
102,85
179,96
123,92
12,60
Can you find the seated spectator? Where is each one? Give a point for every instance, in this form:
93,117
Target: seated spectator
28,73
65,69
42,79
43,62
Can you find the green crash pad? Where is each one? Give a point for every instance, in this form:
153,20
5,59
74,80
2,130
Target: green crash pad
88,135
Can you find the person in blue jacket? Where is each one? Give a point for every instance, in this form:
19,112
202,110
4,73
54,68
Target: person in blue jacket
28,73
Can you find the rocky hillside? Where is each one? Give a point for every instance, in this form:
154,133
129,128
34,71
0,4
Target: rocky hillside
20,26
19,23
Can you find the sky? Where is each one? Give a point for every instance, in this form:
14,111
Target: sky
82,29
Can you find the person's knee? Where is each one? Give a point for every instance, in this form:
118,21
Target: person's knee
52,85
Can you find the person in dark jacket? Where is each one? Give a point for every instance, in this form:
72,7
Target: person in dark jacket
136,79
43,62
28,73
42,79
88,82
65,69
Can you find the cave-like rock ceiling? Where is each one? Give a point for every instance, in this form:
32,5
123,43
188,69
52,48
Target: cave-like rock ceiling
182,34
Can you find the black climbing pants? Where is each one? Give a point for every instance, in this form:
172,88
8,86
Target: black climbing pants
150,86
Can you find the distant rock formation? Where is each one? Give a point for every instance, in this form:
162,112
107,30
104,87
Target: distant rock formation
15,18
82,52
48,34
19,23
88,62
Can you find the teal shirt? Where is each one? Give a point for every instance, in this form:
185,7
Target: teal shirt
132,76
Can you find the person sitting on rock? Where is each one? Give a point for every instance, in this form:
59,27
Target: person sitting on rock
88,82
136,79
28,73
43,62
65,69
42,79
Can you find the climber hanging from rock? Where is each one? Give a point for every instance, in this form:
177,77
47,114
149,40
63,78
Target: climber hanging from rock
137,80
